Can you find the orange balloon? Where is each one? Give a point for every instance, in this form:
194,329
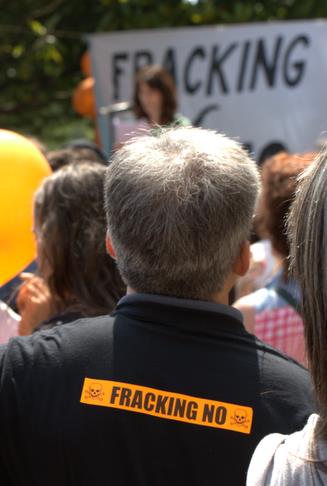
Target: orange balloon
83,98
22,168
86,64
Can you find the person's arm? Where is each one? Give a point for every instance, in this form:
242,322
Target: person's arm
34,303
263,470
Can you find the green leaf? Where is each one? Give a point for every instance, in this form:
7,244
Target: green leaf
37,27
17,51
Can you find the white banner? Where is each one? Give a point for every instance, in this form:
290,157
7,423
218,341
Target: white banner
262,83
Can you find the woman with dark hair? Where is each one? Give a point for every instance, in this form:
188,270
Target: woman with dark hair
301,458
272,313
77,276
155,98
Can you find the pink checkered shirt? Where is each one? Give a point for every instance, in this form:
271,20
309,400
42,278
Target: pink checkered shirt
282,328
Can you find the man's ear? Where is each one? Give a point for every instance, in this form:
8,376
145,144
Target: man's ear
242,262
109,246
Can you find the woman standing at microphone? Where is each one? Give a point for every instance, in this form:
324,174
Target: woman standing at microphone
155,98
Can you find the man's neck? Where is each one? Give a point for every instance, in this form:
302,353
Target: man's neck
221,298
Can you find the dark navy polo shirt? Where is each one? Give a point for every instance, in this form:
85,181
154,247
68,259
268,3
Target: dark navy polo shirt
165,391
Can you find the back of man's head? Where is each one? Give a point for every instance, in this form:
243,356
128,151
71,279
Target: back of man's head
179,206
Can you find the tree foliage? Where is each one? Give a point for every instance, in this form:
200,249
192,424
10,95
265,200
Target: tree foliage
42,43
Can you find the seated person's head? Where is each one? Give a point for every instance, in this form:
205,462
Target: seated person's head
179,210
70,230
279,179
74,153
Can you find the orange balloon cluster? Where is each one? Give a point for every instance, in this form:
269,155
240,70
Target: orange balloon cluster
83,98
86,64
83,95
22,168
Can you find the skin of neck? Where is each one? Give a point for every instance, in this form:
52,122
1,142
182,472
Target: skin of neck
221,297
155,117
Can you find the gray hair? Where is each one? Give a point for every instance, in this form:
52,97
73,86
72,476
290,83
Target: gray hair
179,205
307,226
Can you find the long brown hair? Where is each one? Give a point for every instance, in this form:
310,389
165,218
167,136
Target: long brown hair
308,243
158,78
70,217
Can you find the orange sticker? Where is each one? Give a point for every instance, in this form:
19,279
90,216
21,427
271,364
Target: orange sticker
167,405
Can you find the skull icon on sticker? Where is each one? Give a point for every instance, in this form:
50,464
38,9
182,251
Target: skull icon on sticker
94,392
240,418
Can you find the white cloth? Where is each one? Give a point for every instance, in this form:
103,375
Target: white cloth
263,267
9,321
290,460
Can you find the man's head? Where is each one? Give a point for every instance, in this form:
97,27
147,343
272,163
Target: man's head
179,208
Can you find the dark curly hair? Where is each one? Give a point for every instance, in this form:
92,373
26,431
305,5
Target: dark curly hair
70,218
158,78
279,179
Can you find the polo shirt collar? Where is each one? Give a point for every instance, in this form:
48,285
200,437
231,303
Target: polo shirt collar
178,312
